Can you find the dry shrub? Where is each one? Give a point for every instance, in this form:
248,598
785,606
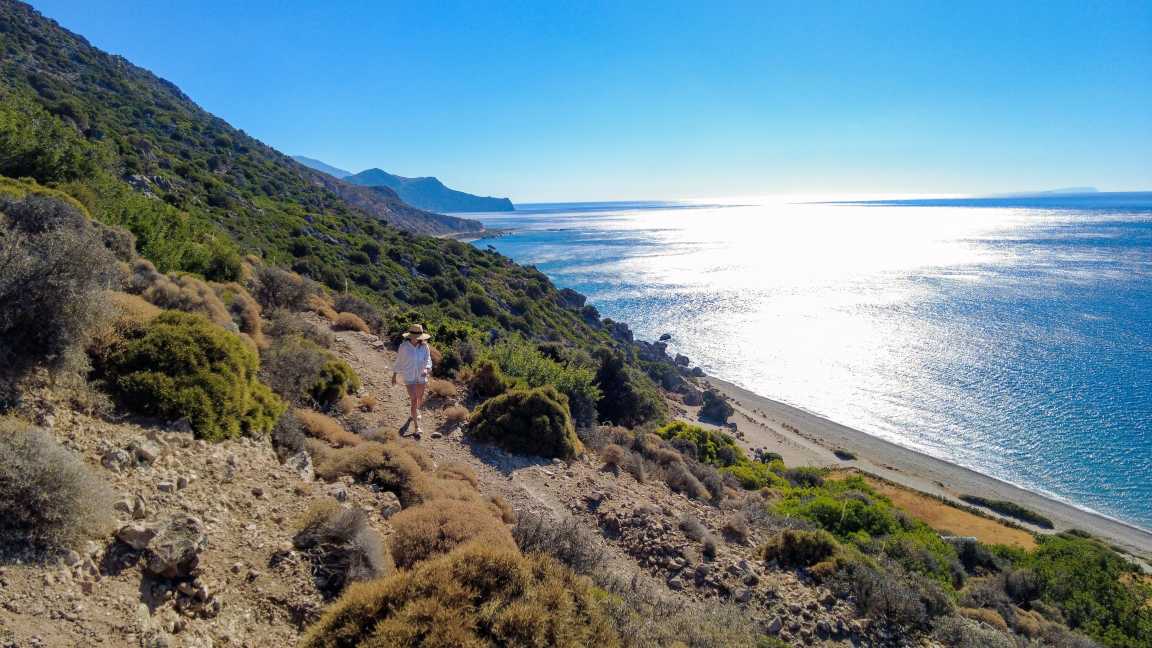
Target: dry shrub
710,547
440,388
282,323
424,532
326,428
736,529
681,480
692,528
646,616
52,285
984,615
341,546
963,633
244,309
391,466
349,322
502,508
347,405
178,292
474,597
371,315
304,373
49,499
367,403
565,540
614,456
455,414
318,304
126,313
275,288
458,471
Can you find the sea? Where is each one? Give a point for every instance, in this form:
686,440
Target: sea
1009,335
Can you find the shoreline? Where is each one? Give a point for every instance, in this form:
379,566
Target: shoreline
804,438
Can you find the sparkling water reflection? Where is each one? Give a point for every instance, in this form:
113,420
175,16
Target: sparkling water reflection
1009,336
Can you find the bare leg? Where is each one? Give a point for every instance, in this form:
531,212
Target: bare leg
413,402
418,398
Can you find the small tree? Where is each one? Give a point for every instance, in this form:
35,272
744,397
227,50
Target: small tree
528,421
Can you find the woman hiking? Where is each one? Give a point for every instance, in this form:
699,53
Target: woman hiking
414,363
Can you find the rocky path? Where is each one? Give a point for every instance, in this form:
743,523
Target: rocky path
233,506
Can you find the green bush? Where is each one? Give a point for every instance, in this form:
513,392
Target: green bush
1010,509
719,449
800,548
1098,592
523,361
488,381
183,366
528,421
627,397
303,373
49,499
715,407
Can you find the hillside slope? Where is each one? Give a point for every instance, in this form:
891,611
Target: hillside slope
164,144
199,195
429,193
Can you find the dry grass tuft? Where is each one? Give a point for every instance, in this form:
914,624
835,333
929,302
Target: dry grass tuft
458,471
322,307
502,508
326,428
455,414
49,499
349,322
440,388
614,456
347,405
424,532
341,546
476,596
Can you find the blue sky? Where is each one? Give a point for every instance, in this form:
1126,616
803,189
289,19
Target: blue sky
587,101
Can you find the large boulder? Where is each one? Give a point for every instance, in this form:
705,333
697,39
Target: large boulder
175,550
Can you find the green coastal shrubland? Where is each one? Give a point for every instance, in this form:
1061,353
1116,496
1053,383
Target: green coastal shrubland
159,257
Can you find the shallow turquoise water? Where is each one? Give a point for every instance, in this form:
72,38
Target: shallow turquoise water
1011,336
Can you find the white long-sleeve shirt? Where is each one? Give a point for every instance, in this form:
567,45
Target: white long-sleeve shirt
412,361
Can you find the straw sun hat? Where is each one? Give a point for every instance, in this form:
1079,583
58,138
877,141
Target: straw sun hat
416,331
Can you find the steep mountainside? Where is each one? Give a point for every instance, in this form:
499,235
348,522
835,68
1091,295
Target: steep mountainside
160,141
198,195
430,193
313,163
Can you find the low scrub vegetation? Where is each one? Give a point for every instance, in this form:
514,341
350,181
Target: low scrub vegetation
49,499
303,373
423,532
342,547
54,270
183,366
716,407
475,596
528,421
1010,509
565,540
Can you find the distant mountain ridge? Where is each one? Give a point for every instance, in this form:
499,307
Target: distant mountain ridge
313,163
424,193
